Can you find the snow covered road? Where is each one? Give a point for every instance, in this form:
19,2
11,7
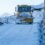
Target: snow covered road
12,34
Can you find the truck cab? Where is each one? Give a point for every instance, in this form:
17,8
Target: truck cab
24,14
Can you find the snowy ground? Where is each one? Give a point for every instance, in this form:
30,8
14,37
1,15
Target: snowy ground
12,34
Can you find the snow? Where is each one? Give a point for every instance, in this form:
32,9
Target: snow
12,34
38,16
21,34
38,6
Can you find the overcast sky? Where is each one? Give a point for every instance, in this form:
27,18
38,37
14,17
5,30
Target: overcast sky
8,6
